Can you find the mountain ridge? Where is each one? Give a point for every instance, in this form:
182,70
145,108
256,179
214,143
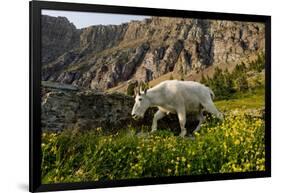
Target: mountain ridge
103,56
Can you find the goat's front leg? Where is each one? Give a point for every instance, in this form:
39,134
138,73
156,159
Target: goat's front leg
158,115
182,120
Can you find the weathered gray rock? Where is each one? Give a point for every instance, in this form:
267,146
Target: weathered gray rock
105,56
56,85
53,71
58,37
97,38
131,65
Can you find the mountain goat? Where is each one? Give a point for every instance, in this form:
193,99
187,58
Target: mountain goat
173,96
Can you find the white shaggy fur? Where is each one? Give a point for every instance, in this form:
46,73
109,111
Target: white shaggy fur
173,96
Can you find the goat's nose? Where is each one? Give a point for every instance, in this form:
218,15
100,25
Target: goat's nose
133,114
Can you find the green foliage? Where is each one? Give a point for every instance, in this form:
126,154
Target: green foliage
227,87
233,145
241,83
252,99
145,86
222,84
259,64
225,84
131,89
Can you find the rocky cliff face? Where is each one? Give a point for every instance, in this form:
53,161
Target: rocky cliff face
58,37
105,56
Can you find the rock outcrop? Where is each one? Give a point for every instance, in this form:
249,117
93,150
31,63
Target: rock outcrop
101,57
63,107
83,110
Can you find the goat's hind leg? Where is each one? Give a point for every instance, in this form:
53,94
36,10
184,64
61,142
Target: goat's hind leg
211,108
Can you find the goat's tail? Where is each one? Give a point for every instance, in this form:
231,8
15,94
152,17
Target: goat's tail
211,93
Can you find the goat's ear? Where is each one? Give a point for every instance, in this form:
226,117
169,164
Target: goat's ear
136,91
141,85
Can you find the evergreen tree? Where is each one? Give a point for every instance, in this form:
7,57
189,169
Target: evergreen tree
229,82
204,80
242,83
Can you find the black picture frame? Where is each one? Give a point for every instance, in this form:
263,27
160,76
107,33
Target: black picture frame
35,8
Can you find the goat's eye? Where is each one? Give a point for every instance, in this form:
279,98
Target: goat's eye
140,99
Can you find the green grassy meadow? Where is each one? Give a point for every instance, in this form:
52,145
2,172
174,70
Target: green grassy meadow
249,100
